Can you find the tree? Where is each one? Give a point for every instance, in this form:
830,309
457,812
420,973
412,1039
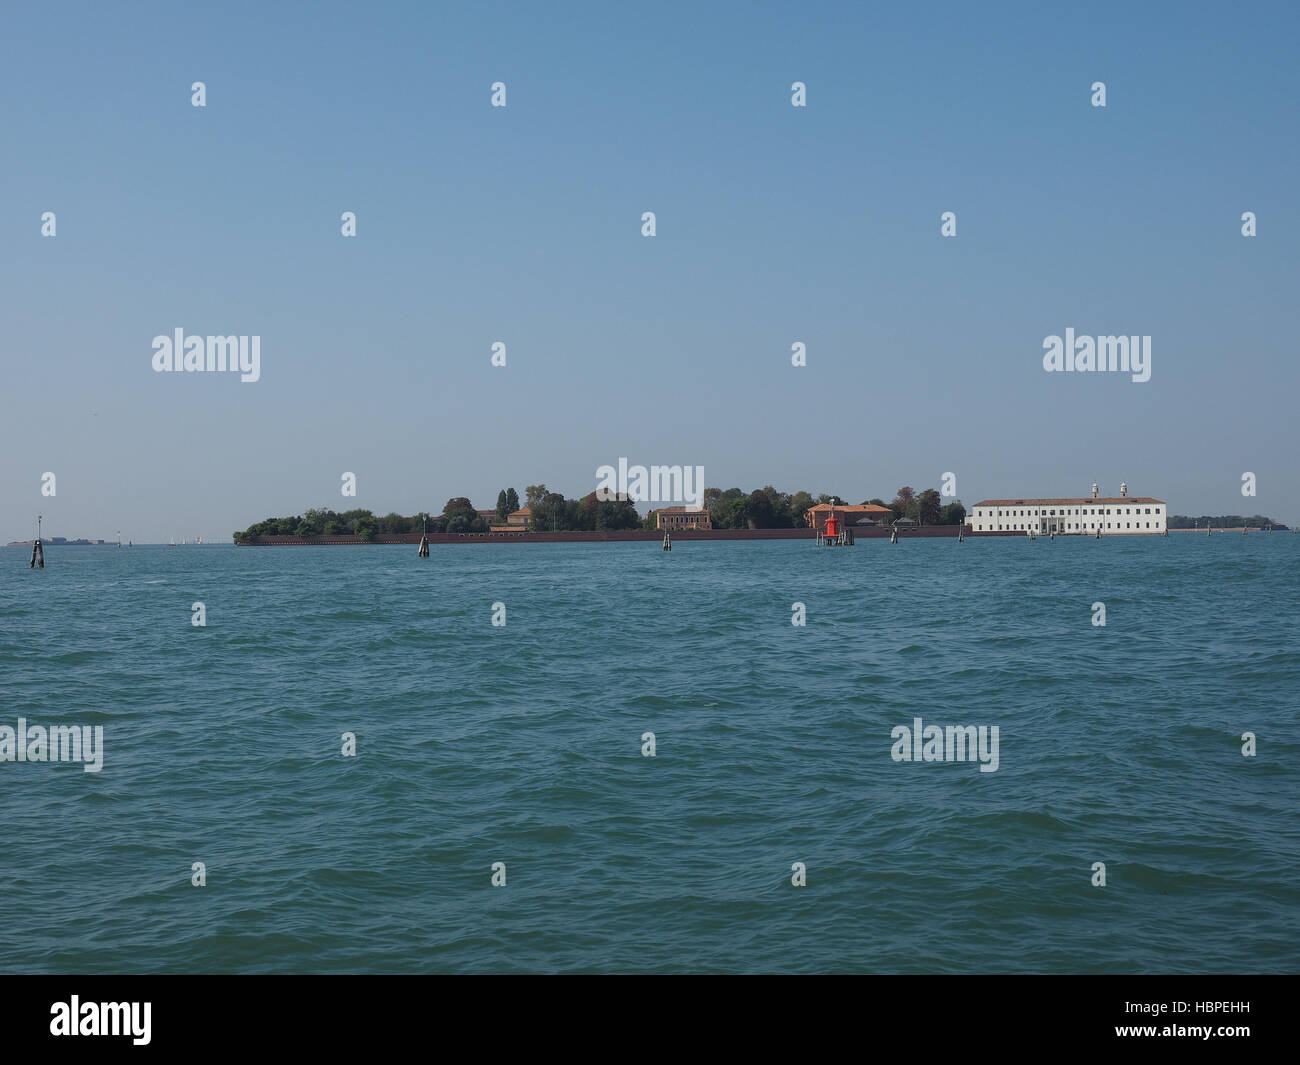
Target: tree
570,513
459,505
352,518
723,511
953,514
621,513
535,494
503,507
928,504
553,513
902,502
780,505
799,504
759,514
512,501
316,519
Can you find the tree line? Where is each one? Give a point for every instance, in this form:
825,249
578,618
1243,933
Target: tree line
1221,521
732,508
767,508
550,511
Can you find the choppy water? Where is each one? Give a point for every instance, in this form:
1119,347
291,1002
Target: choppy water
522,744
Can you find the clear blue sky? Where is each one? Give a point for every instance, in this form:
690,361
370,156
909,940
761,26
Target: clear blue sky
522,225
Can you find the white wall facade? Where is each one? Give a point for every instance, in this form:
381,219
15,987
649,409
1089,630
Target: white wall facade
1115,516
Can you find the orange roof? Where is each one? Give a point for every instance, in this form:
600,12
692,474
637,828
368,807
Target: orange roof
525,511
863,508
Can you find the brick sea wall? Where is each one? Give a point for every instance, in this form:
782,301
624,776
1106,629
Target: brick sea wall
608,536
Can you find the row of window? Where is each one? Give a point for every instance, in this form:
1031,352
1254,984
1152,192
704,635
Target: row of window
1064,526
1065,511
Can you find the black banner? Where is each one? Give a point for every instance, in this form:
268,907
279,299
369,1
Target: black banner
1225,1015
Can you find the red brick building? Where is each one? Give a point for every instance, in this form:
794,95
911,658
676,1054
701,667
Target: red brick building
849,516
674,518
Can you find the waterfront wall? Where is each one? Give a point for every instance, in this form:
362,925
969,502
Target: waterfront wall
608,536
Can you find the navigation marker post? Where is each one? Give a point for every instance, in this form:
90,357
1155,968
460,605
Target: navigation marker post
424,538
38,551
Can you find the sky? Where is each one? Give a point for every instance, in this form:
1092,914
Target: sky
522,225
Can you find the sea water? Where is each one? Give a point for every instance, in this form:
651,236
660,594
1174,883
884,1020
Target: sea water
774,829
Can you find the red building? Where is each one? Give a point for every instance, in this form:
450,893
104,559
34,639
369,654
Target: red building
866,514
674,518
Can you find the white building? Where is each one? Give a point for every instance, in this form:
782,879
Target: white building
1123,514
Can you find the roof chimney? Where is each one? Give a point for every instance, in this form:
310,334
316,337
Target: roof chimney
1094,489
1123,488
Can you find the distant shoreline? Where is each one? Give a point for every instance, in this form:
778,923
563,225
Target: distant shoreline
599,536
47,542
880,532
586,536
